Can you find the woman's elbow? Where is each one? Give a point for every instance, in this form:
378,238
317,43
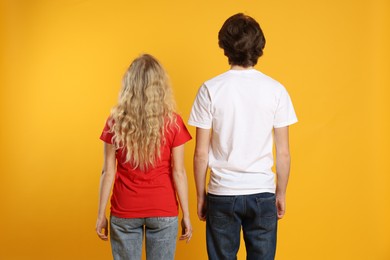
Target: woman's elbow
179,172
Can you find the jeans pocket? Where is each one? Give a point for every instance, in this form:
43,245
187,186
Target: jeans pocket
117,220
166,219
161,222
220,211
267,213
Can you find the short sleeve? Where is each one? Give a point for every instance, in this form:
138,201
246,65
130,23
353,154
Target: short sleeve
285,113
106,136
201,110
182,135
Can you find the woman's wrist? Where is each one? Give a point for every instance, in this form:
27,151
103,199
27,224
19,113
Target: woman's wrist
186,215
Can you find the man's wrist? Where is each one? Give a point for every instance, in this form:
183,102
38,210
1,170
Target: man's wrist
201,196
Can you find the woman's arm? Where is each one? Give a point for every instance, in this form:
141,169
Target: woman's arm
181,185
282,168
106,180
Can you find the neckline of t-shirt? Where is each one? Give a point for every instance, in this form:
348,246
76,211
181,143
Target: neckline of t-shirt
243,71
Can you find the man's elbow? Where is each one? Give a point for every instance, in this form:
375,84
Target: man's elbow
283,155
200,157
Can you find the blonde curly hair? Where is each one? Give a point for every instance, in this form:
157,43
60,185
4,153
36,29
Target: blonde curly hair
145,108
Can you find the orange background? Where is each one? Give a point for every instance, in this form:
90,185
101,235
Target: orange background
60,72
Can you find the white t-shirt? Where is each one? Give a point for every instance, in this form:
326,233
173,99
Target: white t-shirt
241,107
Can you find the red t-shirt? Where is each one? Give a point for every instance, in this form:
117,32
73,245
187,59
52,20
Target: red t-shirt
138,194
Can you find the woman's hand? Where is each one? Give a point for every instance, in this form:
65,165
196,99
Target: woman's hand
102,224
186,229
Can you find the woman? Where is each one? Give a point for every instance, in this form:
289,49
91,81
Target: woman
144,153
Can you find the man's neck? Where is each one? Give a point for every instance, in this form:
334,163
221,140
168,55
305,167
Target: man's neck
237,67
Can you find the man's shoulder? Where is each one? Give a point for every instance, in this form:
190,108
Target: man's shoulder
252,77
217,79
268,79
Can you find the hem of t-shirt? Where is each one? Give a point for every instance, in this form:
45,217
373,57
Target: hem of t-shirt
197,124
134,215
106,140
286,123
243,192
181,143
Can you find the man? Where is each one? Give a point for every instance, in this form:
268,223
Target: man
239,115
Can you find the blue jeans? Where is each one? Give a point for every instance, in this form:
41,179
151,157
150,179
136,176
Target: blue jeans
257,216
127,235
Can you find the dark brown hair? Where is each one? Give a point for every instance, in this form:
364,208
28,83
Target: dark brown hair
242,40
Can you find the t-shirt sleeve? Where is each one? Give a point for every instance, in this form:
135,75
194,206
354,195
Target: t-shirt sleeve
201,110
106,136
182,135
285,113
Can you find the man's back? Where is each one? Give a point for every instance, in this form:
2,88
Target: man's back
244,107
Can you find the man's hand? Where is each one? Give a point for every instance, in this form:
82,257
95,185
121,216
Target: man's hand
281,206
202,209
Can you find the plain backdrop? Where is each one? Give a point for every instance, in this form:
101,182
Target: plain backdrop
61,67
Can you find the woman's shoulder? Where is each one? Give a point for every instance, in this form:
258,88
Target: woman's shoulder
175,123
177,117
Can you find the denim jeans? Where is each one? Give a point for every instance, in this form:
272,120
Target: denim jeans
257,216
127,235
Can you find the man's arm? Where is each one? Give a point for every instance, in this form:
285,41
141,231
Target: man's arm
201,157
282,168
